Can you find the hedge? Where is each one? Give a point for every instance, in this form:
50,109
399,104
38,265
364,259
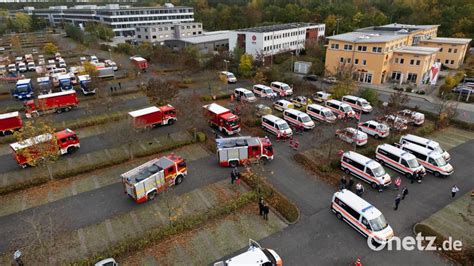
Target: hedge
125,247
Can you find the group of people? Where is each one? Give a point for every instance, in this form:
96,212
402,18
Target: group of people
113,88
359,189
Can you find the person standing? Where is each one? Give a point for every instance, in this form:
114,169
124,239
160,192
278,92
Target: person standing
266,210
120,85
404,192
454,190
351,183
359,189
343,183
397,183
261,204
397,201
233,176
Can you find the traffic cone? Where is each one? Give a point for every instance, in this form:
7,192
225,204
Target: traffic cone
296,144
291,141
358,263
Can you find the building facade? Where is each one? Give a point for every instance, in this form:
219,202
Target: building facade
157,34
270,40
208,42
393,52
452,51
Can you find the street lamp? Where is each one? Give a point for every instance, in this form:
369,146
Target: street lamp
226,62
291,67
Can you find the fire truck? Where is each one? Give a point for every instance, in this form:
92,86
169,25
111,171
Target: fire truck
10,122
29,151
144,182
242,150
153,116
222,119
53,102
255,255
140,62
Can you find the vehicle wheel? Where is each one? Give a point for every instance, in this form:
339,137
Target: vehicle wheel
376,136
339,216
59,110
151,195
178,180
374,185
233,164
263,160
347,171
408,175
71,150
437,174
171,121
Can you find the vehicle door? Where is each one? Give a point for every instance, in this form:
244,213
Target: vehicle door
170,173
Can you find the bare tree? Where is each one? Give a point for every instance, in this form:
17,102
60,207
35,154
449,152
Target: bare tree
446,110
160,92
126,134
172,205
190,112
397,101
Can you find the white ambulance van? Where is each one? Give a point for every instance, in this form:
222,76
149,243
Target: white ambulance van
399,160
366,169
340,109
427,143
374,128
298,119
281,88
276,126
433,161
321,113
357,103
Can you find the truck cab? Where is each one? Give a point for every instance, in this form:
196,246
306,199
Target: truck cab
23,89
22,67
31,66
84,80
65,82
44,85
223,119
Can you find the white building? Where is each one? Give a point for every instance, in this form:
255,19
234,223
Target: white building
271,40
157,34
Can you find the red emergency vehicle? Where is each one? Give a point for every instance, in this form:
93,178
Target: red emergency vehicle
241,150
222,119
10,122
153,116
27,152
54,102
144,182
140,62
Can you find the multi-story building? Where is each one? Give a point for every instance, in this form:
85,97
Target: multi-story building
157,34
122,19
452,51
270,40
393,52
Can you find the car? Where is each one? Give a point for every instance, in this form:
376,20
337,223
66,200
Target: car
394,122
261,110
352,135
330,80
106,262
282,105
227,76
34,51
301,101
374,128
310,78
412,117
94,59
321,96
463,90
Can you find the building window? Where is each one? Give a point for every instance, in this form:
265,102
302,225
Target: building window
438,60
349,60
139,36
362,48
452,62
412,62
335,46
341,60
402,60
154,36
450,50
146,37
376,49
356,61
396,60
412,77
417,62
455,50
347,47
441,49
364,62
446,62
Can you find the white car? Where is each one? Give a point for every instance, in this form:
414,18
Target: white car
374,128
282,105
321,96
416,118
352,135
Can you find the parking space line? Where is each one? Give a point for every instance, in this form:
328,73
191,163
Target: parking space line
110,230
23,201
73,188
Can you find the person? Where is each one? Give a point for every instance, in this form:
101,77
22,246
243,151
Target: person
397,183
120,85
351,183
261,204
17,257
343,183
238,180
358,263
266,210
359,189
233,176
111,89
404,192
454,190
397,201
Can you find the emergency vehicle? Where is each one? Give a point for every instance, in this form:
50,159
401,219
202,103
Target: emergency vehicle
364,168
416,118
254,256
357,103
320,113
222,119
352,135
9,123
153,116
399,160
374,128
426,143
27,152
298,119
281,88
301,101
263,91
276,126
394,122
228,77
340,109
242,94
242,150
282,105
431,160
362,216
54,102
144,182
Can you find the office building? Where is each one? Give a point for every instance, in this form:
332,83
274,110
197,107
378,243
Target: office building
208,42
157,34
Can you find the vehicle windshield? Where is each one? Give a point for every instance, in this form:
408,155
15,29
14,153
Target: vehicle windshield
329,114
231,76
413,163
267,91
305,119
233,122
283,126
378,224
365,104
22,89
286,87
66,81
378,171
347,108
438,149
382,127
440,161
249,95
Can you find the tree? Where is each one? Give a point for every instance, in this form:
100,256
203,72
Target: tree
50,48
446,111
160,92
371,95
126,134
74,33
89,68
22,22
259,77
16,43
245,66
145,49
190,112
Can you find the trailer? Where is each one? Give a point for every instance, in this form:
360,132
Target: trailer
153,116
10,122
55,102
44,85
222,119
140,62
23,89
243,150
105,72
29,151
144,182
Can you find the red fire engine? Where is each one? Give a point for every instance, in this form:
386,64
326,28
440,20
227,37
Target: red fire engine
147,180
222,119
241,150
153,116
10,122
140,62
53,102
27,152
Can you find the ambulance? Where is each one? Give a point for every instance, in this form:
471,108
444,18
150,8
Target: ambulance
298,118
276,126
374,128
399,160
433,161
366,169
427,143
357,103
321,113
340,109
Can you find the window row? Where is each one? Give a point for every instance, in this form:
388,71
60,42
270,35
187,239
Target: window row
349,60
283,35
282,45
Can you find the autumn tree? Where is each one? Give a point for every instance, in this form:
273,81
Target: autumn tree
190,112
50,48
259,77
397,101
245,65
22,22
16,43
446,110
160,92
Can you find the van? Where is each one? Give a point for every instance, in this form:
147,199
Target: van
263,91
94,59
321,113
426,143
58,71
374,128
31,66
399,160
362,216
282,105
242,94
433,161
357,103
12,68
227,76
281,88
18,59
340,109
298,118
276,126
51,62
366,169
22,67
321,96
62,63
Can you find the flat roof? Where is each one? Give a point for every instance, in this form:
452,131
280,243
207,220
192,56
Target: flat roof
408,26
30,142
448,40
9,115
207,37
144,111
278,27
56,94
417,50
365,37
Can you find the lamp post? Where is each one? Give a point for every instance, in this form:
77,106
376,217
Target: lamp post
291,67
226,62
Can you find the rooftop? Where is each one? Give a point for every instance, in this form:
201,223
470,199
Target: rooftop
407,26
417,50
448,40
278,27
365,37
207,37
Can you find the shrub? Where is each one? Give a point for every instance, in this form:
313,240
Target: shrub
201,136
426,129
409,89
371,95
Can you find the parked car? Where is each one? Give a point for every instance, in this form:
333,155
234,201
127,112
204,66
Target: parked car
394,122
310,78
330,80
282,105
300,101
228,77
261,110
416,118
463,90
352,135
106,262
321,96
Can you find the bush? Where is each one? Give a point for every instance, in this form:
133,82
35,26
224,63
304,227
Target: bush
409,89
427,129
371,95
201,137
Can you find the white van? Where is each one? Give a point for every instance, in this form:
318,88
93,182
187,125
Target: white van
228,77
55,71
263,91
358,103
399,160
242,94
362,216
11,68
22,67
366,169
94,59
426,143
276,126
374,128
320,113
431,160
62,63
281,88
340,109
31,66
282,105
298,118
